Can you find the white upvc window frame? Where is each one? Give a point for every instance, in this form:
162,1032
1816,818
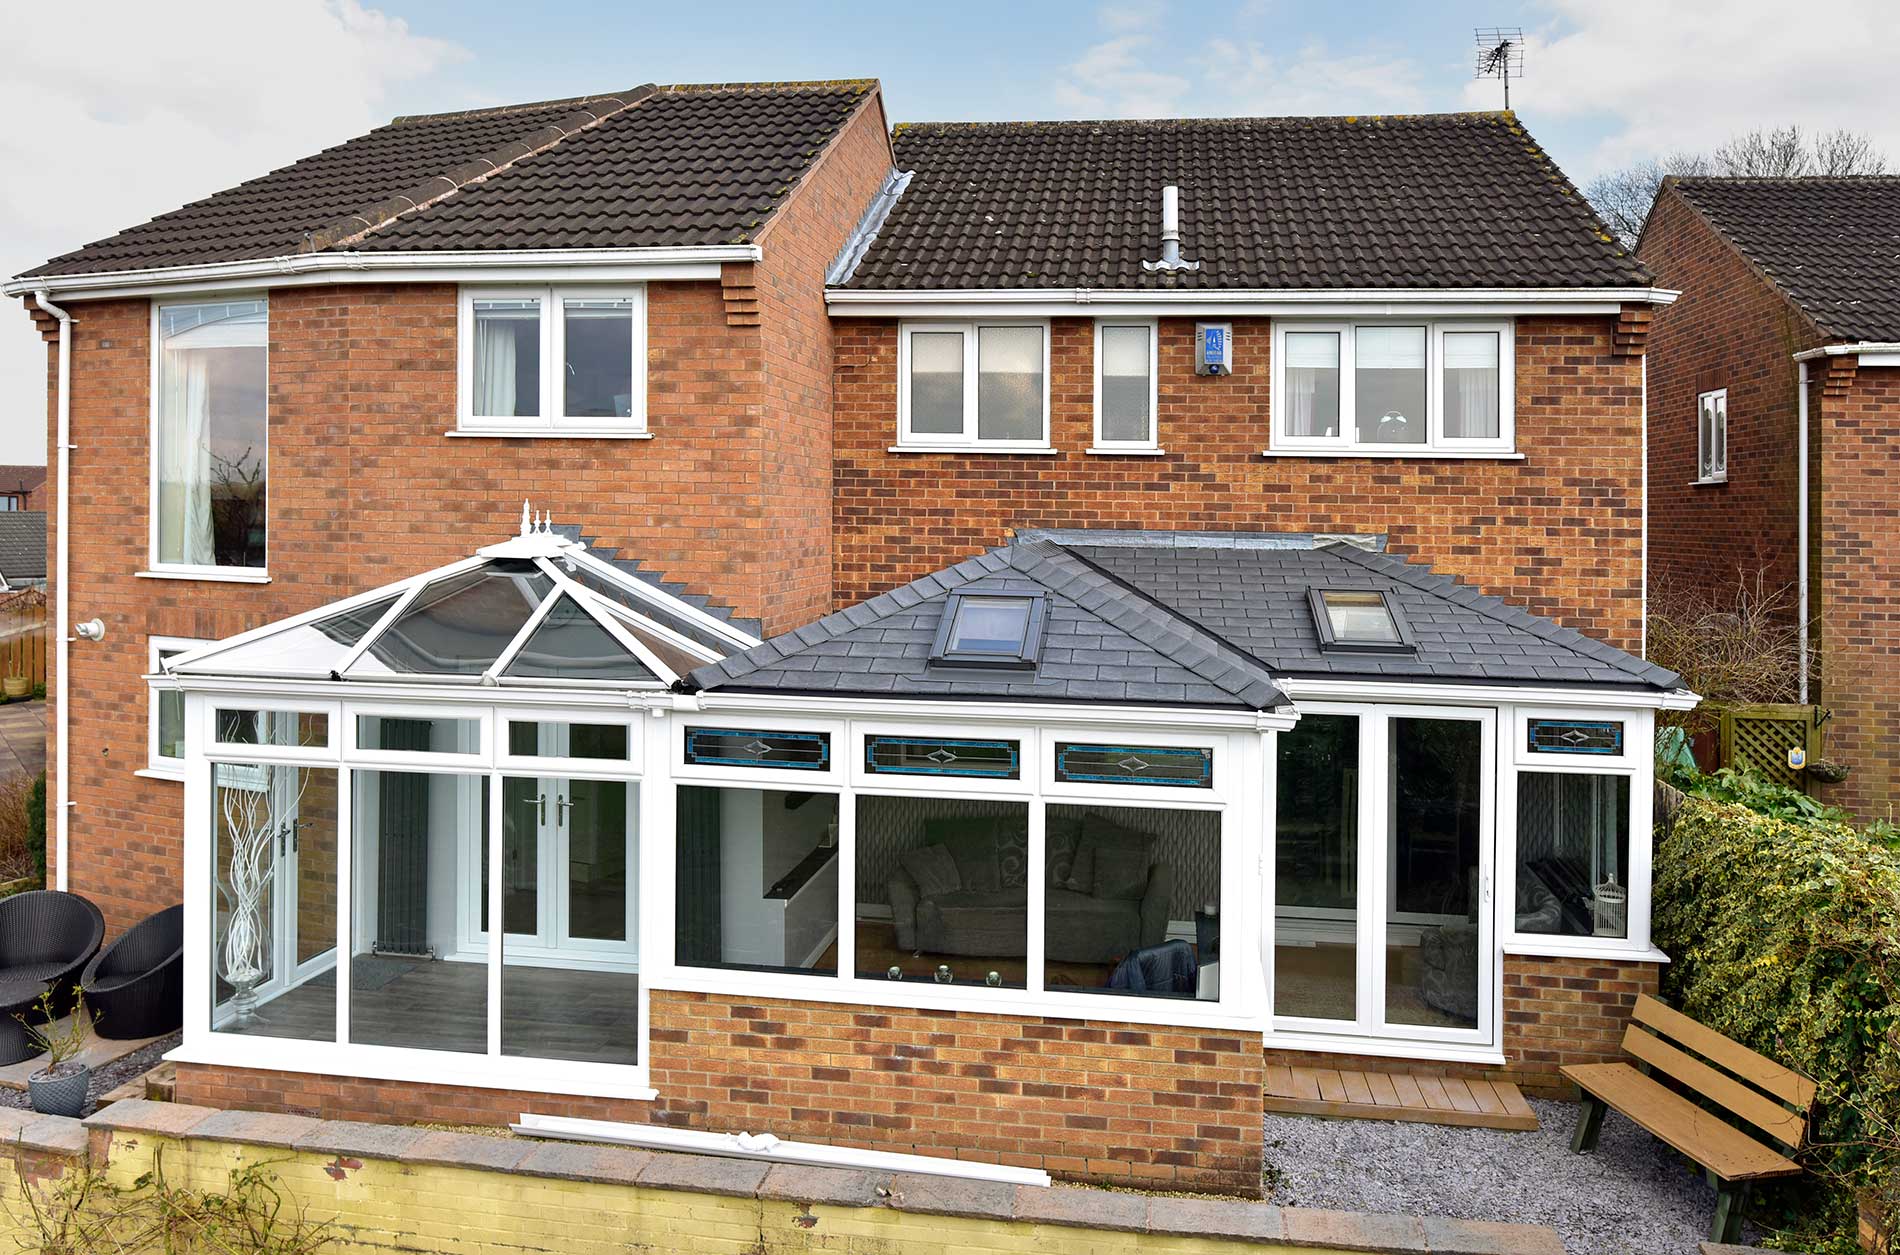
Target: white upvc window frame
157,686
1711,438
1153,443
155,568
1436,443
966,440
552,421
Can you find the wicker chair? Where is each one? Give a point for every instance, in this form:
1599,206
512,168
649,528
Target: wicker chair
136,985
47,936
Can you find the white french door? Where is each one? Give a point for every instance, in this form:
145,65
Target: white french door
1383,867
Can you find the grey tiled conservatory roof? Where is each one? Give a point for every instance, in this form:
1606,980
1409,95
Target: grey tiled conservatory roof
1177,619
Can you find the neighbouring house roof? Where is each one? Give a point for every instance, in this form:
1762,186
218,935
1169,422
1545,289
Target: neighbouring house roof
23,545
1463,200
650,167
1175,618
1832,244
22,477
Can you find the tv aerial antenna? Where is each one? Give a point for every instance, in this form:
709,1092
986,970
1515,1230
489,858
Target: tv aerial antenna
1501,55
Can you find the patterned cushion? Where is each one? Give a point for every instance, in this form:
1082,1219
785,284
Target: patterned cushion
933,869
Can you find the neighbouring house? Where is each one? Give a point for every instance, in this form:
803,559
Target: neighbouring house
22,487
22,549
1774,429
986,643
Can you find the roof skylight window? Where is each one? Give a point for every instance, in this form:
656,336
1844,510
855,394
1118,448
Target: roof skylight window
1358,618
989,630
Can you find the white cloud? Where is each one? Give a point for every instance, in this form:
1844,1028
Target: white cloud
1689,74
118,112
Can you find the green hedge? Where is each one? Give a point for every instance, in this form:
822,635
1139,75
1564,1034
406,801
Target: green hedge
1786,937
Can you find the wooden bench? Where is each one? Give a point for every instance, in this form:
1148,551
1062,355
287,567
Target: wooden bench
1726,1074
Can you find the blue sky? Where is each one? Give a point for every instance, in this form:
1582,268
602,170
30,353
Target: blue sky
121,109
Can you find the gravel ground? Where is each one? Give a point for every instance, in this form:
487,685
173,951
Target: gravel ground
1632,1196
112,1075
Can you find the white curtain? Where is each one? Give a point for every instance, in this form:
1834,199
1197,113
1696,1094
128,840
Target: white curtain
1471,384
184,460
495,367
1310,357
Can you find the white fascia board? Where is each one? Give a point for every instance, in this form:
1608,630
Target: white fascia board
1870,352
1304,302
538,265
1487,694
430,692
986,710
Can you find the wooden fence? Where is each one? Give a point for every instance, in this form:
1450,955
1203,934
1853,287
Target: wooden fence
23,634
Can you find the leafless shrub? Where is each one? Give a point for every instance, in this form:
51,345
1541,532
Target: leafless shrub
16,857
1739,646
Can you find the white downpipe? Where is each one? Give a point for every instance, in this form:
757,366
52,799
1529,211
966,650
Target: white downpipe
766,1147
1801,520
1642,627
62,592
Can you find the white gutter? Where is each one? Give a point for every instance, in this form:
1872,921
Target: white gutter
770,1149
1801,516
1111,301
1851,350
62,591
380,266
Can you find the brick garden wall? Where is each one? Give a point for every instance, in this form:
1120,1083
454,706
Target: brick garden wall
1559,533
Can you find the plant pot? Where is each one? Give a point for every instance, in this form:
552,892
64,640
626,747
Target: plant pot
15,686
60,1091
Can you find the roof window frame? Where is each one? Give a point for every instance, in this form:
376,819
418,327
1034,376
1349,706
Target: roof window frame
942,655
1329,639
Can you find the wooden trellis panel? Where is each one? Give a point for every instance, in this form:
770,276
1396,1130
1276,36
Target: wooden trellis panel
1758,738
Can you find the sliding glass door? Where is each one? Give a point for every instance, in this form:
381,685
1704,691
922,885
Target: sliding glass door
1382,873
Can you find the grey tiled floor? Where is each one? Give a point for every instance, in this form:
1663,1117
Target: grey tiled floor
22,738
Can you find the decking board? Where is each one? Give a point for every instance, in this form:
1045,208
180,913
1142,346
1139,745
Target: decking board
1351,1094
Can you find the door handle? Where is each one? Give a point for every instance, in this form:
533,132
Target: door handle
561,807
540,804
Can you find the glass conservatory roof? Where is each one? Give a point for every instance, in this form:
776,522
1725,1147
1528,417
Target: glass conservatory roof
539,610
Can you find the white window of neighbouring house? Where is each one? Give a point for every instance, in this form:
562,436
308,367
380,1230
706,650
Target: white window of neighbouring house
1417,388
165,716
1711,462
973,384
553,360
208,490
1125,386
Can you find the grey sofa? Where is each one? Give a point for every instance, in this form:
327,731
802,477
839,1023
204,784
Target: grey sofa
1449,952
966,889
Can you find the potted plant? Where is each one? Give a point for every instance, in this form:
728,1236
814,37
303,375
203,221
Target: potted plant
15,685
61,1087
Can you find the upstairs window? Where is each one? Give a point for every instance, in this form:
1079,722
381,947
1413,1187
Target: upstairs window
1124,386
989,630
1392,387
553,360
1711,460
208,436
973,384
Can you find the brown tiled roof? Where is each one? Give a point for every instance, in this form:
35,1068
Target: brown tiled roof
668,166
1832,244
21,477
1431,201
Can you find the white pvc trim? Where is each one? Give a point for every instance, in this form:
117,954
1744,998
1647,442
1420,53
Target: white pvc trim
1849,350
1111,302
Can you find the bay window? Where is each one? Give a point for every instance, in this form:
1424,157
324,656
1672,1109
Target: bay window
553,360
1125,373
209,436
1392,387
973,384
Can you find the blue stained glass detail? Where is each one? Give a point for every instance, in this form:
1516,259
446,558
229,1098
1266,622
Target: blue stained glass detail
937,756
1162,765
1575,736
752,747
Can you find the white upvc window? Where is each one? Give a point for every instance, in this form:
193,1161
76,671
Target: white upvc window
981,384
165,709
1711,437
1405,387
553,361
1125,386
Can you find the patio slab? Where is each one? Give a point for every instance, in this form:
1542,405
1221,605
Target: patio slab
22,738
98,1053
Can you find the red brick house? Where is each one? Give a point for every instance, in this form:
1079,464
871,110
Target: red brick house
22,487
1774,414
965,581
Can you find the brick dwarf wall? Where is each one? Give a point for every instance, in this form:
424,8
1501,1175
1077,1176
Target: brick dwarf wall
1729,329
1559,533
1085,1100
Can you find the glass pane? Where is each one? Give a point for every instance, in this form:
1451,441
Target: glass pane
756,874
274,900
415,979
1126,390
749,747
942,891
990,625
569,645
1316,869
508,358
1432,926
594,582
459,624
1311,404
597,337
1132,902
1359,617
1573,854
290,728
1573,736
1471,385
525,806
1009,383
567,740
936,383
1389,384
310,649
211,438
171,723
939,756
1149,765
426,735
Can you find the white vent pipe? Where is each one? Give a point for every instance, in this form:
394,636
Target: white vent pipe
1170,234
